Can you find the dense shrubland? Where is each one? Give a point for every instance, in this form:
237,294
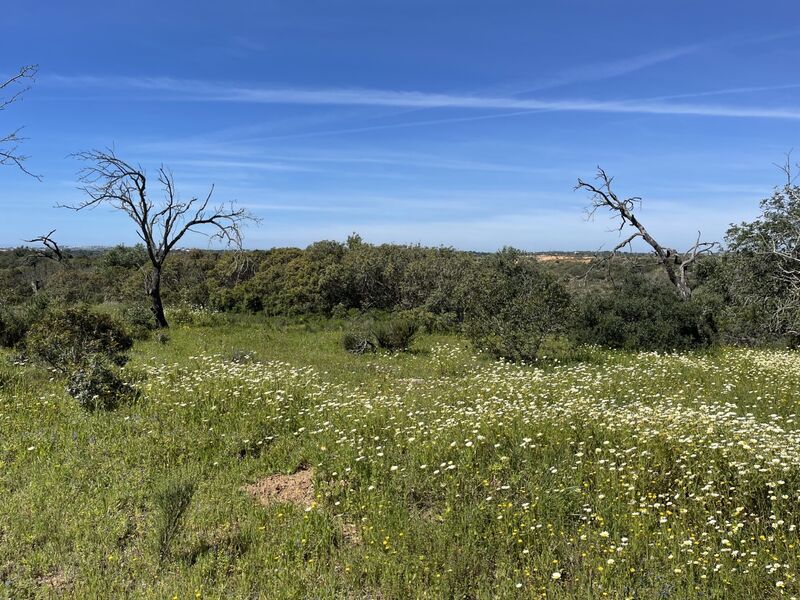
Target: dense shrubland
508,303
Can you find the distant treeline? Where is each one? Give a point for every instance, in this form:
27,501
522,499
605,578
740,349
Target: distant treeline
626,302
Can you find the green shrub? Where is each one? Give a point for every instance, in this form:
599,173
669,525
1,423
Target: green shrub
172,500
12,328
139,320
514,306
16,321
640,314
395,335
65,339
430,322
98,385
357,342
339,312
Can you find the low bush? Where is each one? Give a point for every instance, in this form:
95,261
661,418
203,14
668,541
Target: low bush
641,314
357,342
99,385
16,321
12,328
514,306
65,339
430,322
139,320
395,335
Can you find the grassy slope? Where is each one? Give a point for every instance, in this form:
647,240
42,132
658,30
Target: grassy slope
623,476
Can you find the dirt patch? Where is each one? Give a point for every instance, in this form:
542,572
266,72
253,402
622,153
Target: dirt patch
58,581
297,488
577,258
351,533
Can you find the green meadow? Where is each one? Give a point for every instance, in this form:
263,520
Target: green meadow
261,460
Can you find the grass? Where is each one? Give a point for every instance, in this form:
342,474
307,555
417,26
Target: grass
437,474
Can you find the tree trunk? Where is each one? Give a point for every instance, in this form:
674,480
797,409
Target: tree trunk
154,291
683,287
677,279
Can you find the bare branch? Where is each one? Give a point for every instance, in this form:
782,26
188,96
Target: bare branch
673,263
10,142
787,168
51,248
161,223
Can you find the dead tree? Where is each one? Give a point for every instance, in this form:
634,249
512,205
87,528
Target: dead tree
51,252
160,224
675,264
16,85
51,248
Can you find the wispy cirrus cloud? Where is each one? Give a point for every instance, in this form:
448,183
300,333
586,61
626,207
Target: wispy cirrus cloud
614,68
730,91
193,90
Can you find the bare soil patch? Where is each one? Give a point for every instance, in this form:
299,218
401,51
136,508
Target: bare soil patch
57,581
351,533
297,488
577,258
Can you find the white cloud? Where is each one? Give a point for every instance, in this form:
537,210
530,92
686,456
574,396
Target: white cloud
187,90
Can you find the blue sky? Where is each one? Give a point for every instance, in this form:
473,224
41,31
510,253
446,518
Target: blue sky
456,122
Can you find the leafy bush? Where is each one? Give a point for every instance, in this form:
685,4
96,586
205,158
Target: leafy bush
514,306
12,328
641,314
15,322
395,335
65,338
357,342
339,311
139,319
429,322
98,385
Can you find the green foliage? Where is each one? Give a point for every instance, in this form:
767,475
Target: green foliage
431,322
742,293
746,290
395,335
761,284
125,257
357,342
514,306
171,501
139,320
16,321
12,327
64,339
640,314
193,315
98,385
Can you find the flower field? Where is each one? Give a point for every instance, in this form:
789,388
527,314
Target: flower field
436,474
